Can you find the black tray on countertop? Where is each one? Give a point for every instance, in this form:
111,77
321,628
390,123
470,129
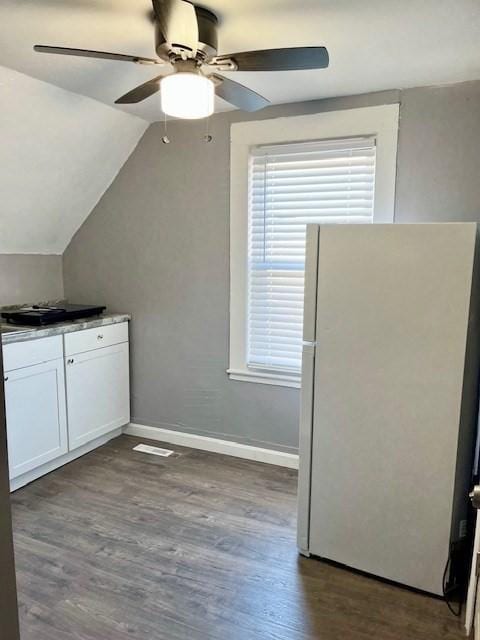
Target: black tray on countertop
37,316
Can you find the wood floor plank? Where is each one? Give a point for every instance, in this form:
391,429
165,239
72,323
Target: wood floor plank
120,544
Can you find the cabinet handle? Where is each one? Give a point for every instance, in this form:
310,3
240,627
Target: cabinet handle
70,361
6,378
99,337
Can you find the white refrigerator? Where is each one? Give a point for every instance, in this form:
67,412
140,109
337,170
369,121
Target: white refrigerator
389,397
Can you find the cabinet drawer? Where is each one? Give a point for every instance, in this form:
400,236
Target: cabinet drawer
26,354
90,339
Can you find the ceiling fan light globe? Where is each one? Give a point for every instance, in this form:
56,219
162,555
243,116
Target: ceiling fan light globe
187,95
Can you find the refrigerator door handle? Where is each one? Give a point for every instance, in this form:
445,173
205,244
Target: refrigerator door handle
308,370
305,448
311,269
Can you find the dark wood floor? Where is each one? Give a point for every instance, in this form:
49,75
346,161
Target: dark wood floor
122,545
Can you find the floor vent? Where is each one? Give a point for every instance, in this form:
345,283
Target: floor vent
154,451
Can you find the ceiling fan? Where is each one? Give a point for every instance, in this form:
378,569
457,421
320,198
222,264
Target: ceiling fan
186,43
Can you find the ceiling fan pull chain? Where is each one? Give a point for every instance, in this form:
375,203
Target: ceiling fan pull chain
207,137
165,138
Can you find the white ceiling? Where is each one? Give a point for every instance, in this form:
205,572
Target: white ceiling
373,44
59,151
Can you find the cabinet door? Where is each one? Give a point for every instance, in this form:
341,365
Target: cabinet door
36,416
97,393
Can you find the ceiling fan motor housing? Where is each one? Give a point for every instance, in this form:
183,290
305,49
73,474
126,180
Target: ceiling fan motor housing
207,38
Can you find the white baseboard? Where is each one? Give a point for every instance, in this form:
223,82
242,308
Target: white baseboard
246,451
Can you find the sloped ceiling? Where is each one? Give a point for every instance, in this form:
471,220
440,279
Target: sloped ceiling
59,151
62,141
373,44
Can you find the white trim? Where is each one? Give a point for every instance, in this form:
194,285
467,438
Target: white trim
215,445
470,612
265,378
380,122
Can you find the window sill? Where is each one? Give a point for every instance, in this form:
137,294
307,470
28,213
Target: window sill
278,379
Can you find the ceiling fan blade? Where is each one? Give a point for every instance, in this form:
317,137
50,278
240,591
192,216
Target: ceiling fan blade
178,23
87,53
292,59
238,95
141,92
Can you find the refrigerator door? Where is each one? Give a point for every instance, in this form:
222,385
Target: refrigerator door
392,325
305,448
306,407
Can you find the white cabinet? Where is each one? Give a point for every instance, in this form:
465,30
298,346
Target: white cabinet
36,416
64,396
97,393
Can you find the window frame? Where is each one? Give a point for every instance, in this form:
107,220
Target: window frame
379,121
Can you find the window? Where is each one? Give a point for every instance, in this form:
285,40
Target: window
336,167
291,185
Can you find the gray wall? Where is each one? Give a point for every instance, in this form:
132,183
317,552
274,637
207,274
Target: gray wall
30,278
439,154
157,246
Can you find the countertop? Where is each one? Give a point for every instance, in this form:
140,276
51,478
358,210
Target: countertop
11,333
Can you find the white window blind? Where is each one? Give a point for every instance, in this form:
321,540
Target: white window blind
291,185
